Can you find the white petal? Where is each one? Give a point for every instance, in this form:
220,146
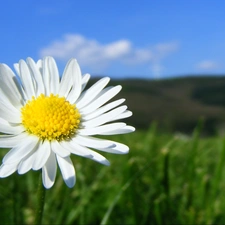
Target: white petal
17,68
92,92
104,118
58,149
6,170
76,151
9,113
49,171
9,141
104,129
26,163
75,73
42,155
18,152
46,76
101,144
93,142
37,76
4,98
99,158
54,75
10,86
67,170
117,149
66,82
40,67
123,130
94,155
8,128
27,79
85,80
123,115
102,110
102,99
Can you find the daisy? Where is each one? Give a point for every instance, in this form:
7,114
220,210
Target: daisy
46,118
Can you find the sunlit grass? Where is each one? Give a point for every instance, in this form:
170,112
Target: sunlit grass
165,179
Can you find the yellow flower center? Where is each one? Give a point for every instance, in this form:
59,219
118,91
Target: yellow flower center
50,117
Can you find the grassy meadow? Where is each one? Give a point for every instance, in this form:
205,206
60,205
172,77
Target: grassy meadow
165,179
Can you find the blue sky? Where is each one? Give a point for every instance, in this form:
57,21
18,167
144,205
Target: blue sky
149,39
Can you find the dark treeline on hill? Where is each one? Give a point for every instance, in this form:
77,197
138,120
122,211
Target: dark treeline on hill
177,104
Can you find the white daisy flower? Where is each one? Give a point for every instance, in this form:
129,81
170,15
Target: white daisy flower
45,119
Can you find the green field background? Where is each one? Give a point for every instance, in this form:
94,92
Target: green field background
165,179
174,173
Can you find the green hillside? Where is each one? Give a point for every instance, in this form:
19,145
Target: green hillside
176,104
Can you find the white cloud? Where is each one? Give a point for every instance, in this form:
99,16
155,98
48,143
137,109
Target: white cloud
208,65
91,53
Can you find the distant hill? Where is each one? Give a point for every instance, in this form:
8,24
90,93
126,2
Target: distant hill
176,104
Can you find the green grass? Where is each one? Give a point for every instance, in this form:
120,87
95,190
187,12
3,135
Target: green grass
165,179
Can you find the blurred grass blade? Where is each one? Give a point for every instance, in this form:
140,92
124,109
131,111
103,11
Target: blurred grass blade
124,188
192,163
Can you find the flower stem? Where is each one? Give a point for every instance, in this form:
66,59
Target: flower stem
40,202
